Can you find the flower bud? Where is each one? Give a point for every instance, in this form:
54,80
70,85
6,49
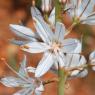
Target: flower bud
63,1
46,5
33,2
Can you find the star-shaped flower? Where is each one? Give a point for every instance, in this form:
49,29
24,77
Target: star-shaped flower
28,84
81,11
54,45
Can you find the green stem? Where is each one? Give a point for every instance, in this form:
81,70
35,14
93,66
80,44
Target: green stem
46,16
58,11
61,83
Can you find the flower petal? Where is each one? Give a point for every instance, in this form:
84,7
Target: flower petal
12,82
70,45
44,65
22,71
83,73
74,7
92,56
43,29
40,88
23,32
74,61
26,91
60,31
17,42
35,47
89,8
90,20
61,59
52,17
78,48
35,12
92,60
37,92
31,69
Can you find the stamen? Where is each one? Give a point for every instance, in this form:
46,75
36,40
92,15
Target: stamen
55,47
50,81
24,47
5,62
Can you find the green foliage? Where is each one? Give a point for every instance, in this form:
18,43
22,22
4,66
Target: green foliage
38,3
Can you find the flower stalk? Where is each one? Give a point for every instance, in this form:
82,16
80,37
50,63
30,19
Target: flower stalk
58,10
62,80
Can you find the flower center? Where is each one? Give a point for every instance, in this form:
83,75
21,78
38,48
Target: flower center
55,47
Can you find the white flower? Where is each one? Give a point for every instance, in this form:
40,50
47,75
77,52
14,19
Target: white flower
92,60
54,45
75,64
62,1
23,80
46,5
81,11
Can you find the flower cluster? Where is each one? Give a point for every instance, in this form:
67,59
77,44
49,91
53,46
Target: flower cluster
50,38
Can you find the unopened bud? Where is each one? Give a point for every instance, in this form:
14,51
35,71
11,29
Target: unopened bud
63,1
33,2
46,5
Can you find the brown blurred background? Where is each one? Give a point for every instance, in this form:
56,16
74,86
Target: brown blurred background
18,12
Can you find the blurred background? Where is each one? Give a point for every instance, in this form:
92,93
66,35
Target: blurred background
18,12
